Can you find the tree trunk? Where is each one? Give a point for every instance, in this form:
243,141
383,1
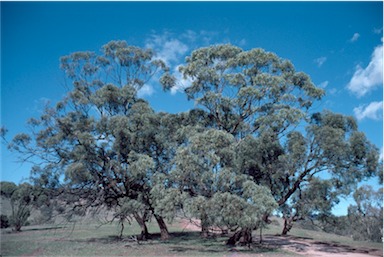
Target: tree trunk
288,224
224,231
247,237
204,231
144,230
18,227
121,230
204,226
266,219
234,238
163,227
244,236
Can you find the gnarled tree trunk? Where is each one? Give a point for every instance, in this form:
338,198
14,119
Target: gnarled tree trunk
288,224
144,235
243,236
204,226
163,227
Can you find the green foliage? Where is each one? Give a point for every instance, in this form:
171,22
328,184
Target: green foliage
366,217
344,151
316,200
7,189
202,164
244,210
332,145
167,200
218,194
101,138
248,91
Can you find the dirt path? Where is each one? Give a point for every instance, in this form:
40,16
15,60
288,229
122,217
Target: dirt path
313,248
303,246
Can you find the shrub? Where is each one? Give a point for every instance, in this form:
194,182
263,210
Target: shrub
4,222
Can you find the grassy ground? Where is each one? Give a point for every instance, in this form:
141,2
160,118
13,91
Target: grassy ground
84,239
90,240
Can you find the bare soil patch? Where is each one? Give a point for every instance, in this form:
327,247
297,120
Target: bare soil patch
313,248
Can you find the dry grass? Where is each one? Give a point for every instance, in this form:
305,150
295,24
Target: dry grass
84,239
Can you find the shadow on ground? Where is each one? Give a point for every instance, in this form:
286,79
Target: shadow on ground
27,229
188,242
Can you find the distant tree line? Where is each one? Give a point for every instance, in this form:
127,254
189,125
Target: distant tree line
364,220
250,147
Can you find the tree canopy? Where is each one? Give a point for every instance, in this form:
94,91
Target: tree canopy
247,92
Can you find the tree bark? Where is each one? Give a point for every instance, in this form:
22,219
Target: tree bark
247,237
18,227
295,186
234,238
204,231
163,227
204,226
288,224
244,237
144,235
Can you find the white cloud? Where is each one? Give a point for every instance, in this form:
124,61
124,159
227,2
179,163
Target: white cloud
324,84
372,111
145,90
172,49
320,61
367,79
168,49
355,37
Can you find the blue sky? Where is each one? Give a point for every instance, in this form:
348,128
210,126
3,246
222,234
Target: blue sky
339,44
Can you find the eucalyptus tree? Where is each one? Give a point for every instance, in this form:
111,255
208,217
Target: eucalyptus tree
106,147
293,169
260,99
99,143
253,95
